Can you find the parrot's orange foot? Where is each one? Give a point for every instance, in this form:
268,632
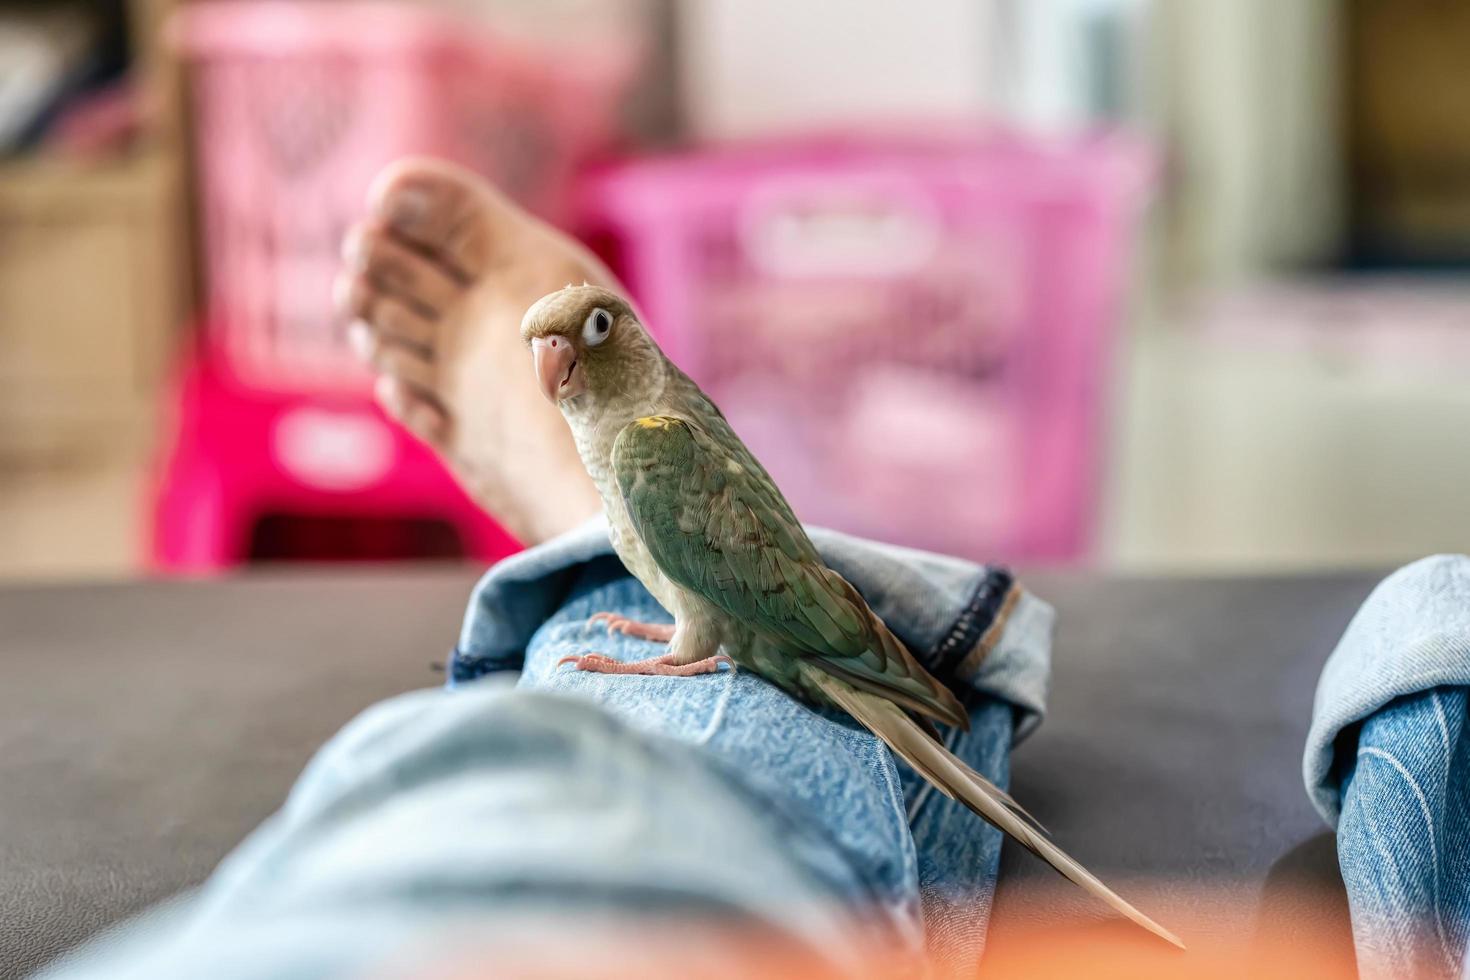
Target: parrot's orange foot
658,632
658,666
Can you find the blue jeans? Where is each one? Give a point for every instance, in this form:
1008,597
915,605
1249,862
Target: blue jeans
478,816
1388,763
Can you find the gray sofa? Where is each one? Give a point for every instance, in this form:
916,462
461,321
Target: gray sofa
146,728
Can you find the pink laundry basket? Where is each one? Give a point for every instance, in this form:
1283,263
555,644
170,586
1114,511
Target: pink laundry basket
297,106
913,334
300,104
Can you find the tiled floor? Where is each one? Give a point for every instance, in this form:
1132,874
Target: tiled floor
1308,426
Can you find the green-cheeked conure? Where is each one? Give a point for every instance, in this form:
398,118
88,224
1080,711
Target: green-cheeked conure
696,518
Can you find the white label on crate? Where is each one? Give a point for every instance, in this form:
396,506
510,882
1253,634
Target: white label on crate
337,451
804,228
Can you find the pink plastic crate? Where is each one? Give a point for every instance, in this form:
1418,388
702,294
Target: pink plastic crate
913,334
298,105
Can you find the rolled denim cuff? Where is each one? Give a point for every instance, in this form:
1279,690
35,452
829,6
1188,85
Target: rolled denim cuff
1411,635
972,625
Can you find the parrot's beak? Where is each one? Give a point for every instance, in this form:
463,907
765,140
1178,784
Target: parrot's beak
556,368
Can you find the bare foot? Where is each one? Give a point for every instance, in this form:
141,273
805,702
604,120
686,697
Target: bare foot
437,278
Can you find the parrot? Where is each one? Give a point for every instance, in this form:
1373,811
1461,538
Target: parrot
694,516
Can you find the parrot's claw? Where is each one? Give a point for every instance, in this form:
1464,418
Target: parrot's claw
657,666
577,659
657,632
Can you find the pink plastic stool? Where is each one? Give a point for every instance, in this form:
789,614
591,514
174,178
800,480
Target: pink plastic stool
278,450
913,333
270,475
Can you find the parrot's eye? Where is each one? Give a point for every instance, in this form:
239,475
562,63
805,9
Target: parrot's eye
597,326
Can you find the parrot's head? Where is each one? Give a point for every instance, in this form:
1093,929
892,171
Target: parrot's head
589,348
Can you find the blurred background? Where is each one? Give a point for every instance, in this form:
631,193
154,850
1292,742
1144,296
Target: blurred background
1159,285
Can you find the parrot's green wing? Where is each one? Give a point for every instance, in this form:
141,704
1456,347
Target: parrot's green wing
715,524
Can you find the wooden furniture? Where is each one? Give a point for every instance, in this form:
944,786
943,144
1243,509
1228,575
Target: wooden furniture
1408,142
93,282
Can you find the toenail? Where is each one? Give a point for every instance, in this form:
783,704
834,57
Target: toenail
342,294
407,207
353,252
385,390
360,338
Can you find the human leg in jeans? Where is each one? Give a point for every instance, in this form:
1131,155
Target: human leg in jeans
557,819
1388,763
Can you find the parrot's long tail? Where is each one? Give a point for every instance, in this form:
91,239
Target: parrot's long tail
959,782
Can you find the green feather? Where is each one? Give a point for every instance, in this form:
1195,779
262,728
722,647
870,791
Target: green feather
715,524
